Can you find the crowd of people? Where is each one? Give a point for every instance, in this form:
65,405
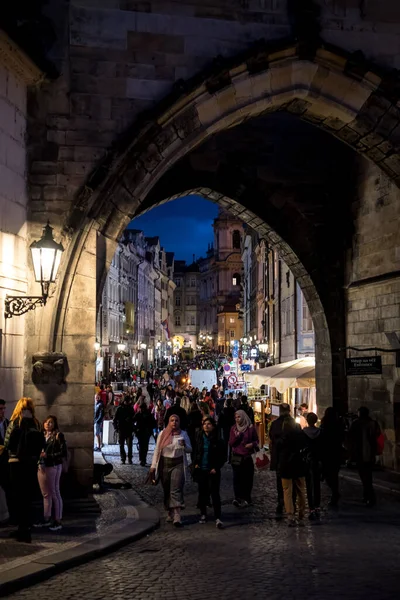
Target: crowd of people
33,456
217,426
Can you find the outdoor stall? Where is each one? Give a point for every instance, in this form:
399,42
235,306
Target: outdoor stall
292,382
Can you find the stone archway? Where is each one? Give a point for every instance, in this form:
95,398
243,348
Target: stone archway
328,89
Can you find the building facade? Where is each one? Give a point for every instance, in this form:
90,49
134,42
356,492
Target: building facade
136,308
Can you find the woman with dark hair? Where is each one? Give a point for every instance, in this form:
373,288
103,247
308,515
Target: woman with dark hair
24,442
49,473
208,458
194,422
332,435
244,441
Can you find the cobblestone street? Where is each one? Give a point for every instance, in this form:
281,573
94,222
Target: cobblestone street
351,554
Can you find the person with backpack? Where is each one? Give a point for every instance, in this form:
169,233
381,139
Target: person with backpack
313,453
49,474
24,443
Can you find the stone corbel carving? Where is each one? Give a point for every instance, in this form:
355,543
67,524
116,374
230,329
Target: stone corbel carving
49,368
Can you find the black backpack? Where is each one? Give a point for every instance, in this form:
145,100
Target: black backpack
31,440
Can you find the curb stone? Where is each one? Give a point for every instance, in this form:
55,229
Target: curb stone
147,520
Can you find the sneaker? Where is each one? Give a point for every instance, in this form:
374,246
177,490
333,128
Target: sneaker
56,526
203,520
236,503
219,524
44,523
244,504
123,462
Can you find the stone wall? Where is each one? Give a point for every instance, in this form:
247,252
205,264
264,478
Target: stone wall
373,296
13,227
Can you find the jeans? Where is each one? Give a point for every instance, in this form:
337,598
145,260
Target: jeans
365,472
143,440
243,477
49,482
289,485
209,486
313,482
128,439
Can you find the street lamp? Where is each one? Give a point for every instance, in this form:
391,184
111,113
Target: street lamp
96,346
46,257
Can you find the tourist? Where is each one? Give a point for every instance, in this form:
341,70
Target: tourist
245,406
244,441
226,421
275,434
208,459
314,466
159,415
195,419
144,425
170,464
24,442
49,473
176,409
363,436
332,435
124,424
292,469
303,412
98,421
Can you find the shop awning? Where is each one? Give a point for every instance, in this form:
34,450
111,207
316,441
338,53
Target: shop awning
298,373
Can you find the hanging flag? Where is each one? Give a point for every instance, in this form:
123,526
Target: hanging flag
164,325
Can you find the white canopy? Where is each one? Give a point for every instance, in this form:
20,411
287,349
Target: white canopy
298,373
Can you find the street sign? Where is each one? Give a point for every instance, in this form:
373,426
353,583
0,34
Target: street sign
227,368
245,367
235,349
364,365
232,379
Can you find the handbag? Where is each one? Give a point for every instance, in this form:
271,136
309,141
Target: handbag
260,460
237,460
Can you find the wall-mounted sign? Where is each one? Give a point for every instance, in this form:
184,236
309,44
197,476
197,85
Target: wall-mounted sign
364,365
245,367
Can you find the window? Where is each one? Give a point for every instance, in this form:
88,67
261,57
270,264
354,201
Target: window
178,282
177,300
193,320
306,322
232,334
236,279
236,239
232,320
193,282
177,320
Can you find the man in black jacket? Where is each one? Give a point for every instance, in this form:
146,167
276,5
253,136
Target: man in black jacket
275,434
124,424
363,437
176,409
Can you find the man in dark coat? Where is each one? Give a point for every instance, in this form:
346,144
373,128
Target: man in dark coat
275,433
292,468
363,436
124,424
176,409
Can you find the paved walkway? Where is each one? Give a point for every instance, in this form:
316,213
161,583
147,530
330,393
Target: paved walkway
352,554
90,528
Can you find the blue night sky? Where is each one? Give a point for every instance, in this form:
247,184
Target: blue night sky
183,226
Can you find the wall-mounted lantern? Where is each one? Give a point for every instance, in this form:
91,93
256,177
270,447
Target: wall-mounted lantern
46,257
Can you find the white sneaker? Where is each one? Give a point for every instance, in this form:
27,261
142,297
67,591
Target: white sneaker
219,524
56,526
203,520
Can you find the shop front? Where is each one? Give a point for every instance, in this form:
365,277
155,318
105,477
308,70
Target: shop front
292,383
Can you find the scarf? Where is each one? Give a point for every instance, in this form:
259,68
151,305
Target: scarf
244,422
167,434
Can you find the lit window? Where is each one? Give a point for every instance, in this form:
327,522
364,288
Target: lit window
236,279
232,320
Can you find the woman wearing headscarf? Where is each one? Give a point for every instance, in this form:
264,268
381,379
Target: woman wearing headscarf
244,441
170,465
